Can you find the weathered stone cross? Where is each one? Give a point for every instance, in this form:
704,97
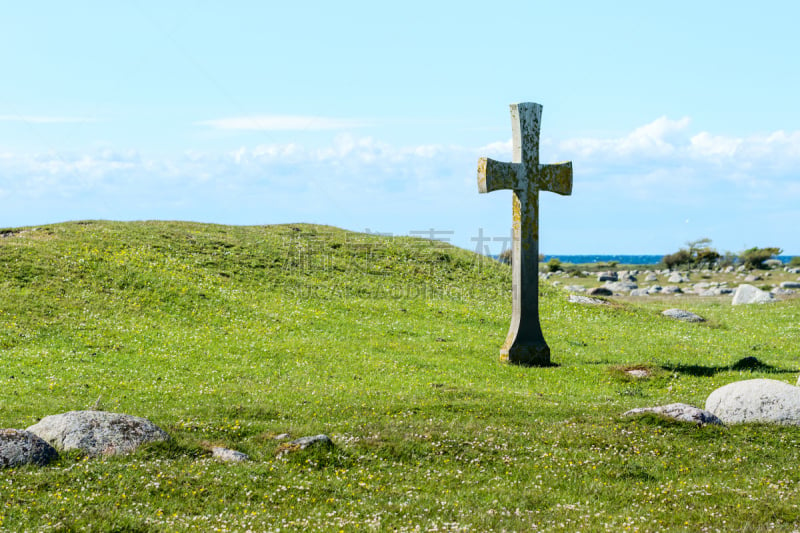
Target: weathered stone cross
525,344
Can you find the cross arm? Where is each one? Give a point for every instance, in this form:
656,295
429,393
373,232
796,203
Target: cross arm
495,175
556,178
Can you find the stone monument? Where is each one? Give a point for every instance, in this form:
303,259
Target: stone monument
525,344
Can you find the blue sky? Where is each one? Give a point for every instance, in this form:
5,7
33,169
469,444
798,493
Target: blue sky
681,119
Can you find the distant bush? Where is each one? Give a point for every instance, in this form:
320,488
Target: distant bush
679,258
554,265
755,257
795,262
698,254
706,256
609,265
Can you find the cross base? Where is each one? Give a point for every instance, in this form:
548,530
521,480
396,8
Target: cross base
526,354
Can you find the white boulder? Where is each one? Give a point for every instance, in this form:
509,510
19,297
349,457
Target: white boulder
97,432
756,400
747,294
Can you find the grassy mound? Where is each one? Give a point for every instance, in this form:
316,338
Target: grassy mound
231,336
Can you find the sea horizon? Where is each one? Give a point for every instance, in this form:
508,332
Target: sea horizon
623,259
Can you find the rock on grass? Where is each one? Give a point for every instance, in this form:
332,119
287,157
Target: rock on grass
304,442
747,294
97,432
681,412
578,299
18,448
227,455
680,314
766,401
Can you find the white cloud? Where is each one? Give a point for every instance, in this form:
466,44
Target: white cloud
669,145
284,123
713,146
497,149
639,179
656,139
651,157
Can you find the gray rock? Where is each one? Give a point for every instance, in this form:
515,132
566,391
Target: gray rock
778,291
97,432
607,276
773,263
747,294
19,448
752,277
714,291
790,285
304,442
678,277
599,291
651,278
228,455
793,270
680,314
756,400
577,299
681,412
316,440
575,288
671,289
627,276
708,292
621,286
655,289
640,292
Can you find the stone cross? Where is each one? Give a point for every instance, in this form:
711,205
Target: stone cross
525,344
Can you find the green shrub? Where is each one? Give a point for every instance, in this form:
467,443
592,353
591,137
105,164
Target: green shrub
795,262
679,258
707,256
554,265
698,254
755,257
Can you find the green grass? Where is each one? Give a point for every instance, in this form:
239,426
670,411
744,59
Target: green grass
229,336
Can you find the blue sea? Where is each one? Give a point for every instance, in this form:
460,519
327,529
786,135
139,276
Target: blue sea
622,259
599,258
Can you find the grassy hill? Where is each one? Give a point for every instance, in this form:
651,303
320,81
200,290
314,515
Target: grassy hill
227,335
